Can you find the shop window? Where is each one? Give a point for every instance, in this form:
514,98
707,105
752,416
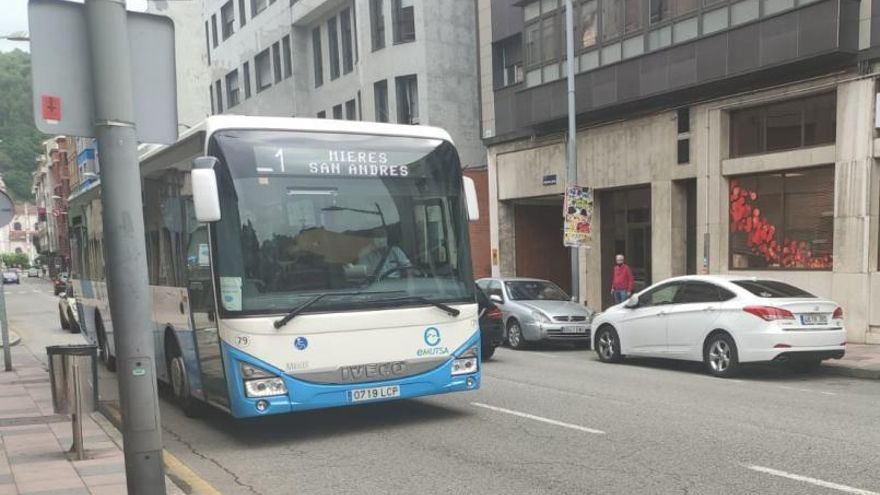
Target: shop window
783,126
783,220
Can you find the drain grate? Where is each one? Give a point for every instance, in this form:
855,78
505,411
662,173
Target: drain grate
33,420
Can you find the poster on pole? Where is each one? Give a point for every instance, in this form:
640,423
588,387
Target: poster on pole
577,226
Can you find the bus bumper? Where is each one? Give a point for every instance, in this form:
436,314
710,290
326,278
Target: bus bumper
303,396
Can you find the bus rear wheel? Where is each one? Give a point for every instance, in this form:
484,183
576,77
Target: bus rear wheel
104,346
180,387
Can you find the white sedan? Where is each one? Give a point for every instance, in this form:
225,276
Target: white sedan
722,321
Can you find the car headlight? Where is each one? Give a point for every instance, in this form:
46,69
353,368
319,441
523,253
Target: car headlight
261,383
467,362
540,317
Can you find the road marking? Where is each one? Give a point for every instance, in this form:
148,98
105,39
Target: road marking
538,418
812,481
796,389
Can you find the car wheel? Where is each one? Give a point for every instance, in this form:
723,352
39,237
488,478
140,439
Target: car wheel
515,336
720,356
486,352
608,345
104,346
71,322
65,324
179,379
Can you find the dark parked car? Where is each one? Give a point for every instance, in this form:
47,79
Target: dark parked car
59,283
491,326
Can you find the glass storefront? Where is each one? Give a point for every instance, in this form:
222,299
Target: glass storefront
782,220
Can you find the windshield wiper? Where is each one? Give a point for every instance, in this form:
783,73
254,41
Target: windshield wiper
439,305
304,306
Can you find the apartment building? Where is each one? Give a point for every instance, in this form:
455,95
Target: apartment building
720,136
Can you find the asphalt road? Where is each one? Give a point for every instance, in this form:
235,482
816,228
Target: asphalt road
553,420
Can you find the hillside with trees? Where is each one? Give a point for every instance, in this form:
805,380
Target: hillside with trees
20,139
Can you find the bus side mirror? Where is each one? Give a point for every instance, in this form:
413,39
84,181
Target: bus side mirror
470,196
206,197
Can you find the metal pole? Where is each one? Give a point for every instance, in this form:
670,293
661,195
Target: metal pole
572,136
130,302
77,412
7,352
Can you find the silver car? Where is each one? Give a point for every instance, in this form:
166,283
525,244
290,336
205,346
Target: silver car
537,310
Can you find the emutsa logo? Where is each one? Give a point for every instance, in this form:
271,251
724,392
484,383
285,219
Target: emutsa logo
432,336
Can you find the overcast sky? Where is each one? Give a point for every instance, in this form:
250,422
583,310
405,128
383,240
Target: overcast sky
13,18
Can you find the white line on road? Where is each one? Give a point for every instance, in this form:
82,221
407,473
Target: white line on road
796,389
812,481
539,418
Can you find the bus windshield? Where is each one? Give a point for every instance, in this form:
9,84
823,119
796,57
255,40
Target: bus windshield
373,218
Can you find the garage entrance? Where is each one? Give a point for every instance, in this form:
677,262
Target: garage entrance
626,229
539,249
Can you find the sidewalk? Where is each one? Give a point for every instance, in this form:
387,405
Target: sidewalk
34,441
860,361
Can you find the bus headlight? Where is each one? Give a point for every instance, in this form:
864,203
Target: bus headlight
467,362
261,383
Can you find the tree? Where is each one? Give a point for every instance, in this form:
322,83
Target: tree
15,259
21,141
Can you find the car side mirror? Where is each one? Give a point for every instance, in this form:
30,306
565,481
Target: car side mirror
206,197
632,302
496,299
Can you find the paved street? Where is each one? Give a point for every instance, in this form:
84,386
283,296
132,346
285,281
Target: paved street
552,420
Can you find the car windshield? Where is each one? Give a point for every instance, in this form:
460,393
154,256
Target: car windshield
772,289
535,290
380,220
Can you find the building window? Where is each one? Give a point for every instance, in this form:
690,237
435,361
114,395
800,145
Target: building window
403,16
322,114
663,10
347,51
263,67
276,61
208,42
407,100
333,47
785,125
227,19
620,17
246,74
233,91
16,226
218,92
350,110
214,39
683,118
242,17
211,93
258,6
286,55
377,24
783,220
317,57
507,61
380,100
586,24
337,112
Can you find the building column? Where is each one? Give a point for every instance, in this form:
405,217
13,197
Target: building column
662,248
853,204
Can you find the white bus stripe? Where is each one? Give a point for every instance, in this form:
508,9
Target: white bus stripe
539,418
812,481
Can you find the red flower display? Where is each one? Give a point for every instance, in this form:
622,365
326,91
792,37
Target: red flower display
760,234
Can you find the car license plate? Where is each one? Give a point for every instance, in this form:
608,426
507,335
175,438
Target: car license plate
574,329
814,319
375,393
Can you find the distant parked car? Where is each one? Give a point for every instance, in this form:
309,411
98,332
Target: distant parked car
11,277
723,322
59,283
491,325
537,311
33,272
67,312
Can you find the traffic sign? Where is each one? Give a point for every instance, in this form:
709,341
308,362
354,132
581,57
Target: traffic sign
62,69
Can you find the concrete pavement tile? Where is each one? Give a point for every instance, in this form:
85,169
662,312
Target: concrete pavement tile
8,490
67,484
93,461
109,490
104,479
66,491
94,469
5,478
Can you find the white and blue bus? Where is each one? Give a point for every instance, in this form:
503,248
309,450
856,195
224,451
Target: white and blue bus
297,264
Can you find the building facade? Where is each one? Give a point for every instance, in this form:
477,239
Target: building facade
52,187
719,137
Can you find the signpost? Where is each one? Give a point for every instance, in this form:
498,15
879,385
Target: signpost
104,94
7,211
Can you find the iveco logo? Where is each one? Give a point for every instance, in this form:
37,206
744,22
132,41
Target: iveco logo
374,370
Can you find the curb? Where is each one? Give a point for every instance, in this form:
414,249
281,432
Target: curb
175,470
842,370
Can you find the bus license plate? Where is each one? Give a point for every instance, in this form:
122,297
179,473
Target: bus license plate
574,329
375,393
814,319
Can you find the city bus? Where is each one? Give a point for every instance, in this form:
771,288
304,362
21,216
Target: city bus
297,264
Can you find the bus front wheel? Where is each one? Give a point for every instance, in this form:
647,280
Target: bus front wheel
179,379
